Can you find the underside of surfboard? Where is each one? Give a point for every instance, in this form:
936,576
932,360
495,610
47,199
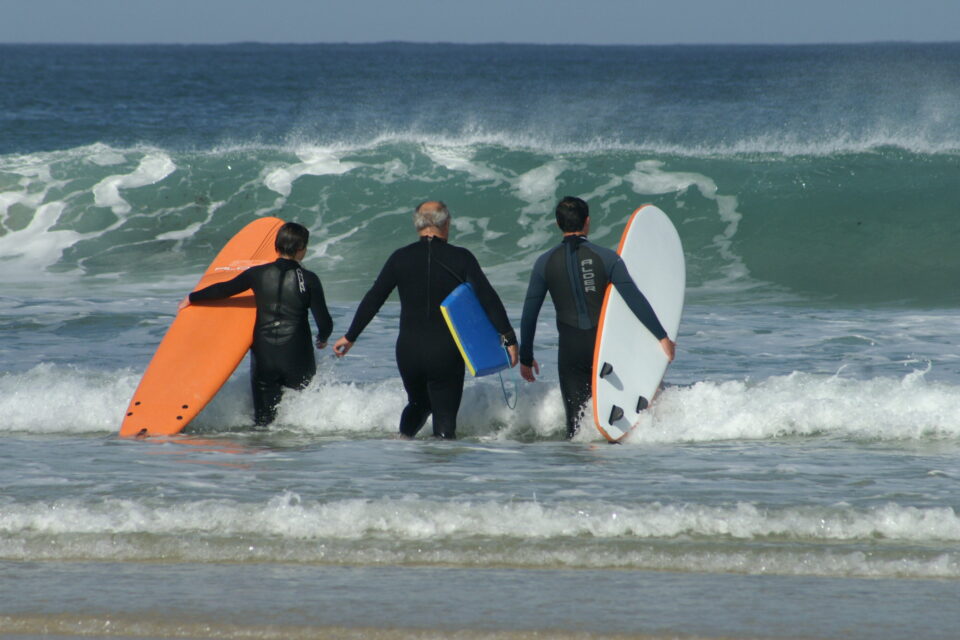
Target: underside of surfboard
204,344
629,361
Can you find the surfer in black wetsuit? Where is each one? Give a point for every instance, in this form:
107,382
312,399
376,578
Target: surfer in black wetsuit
430,364
576,273
282,353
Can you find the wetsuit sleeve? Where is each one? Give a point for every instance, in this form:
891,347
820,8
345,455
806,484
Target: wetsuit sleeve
382,287
318,307
536,292
489,300
223,289
620,278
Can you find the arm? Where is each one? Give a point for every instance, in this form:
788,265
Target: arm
620,278
321,316
489,300
536,292
640,306
493,306
220,290
369,306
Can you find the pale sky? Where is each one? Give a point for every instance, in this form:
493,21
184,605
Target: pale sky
479,21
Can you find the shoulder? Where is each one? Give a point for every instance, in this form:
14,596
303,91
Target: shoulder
256,270
546,255
609,257
399,254
413,247
261,267
310,276
461,252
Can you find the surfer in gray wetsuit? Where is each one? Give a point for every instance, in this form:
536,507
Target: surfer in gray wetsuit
576,273
282,353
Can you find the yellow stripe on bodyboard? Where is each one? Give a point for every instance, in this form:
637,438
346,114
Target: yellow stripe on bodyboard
456,339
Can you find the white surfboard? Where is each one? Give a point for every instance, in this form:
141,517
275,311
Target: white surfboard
628,361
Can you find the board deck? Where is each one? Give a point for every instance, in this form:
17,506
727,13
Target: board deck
476,337
629,362
204,344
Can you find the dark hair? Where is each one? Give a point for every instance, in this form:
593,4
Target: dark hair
291,238
572,214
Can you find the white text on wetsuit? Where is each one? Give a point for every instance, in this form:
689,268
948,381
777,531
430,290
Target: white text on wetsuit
589,278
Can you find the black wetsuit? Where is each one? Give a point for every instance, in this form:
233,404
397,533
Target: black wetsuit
282,351
430,364
576,273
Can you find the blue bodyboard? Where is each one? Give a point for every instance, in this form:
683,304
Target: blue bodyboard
477,339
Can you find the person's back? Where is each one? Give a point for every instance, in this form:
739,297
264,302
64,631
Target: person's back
281,352
424,273
283,296
430,364
576,273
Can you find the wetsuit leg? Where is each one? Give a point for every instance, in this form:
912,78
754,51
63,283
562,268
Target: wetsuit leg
446,391
409,362
575,369
299,369
273,367
266,389
433,379
415,414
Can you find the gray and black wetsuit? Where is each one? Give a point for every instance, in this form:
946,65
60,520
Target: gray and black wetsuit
282,351
576,273
430,364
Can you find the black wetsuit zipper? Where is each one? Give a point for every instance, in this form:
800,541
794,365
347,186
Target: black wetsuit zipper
576,286
429,260
277,305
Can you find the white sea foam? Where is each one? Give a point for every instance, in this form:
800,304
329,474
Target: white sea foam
413,518
804,405
313,162
538,188
56,399
783,145
38,243
796,405
153,168
649,178
460,158
743,538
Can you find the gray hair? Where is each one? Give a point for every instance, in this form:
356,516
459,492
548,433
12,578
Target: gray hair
432,213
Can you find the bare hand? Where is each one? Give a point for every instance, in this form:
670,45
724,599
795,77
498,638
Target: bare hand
320,343
341,346
669,347
184,303
514,354
527,372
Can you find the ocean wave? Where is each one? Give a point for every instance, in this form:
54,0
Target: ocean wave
751,225
67,399
832,541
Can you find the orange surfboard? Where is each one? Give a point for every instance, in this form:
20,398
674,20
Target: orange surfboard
205,343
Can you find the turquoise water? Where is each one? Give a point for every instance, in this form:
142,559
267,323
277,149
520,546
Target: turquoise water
796,479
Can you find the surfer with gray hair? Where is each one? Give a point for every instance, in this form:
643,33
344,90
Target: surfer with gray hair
430,363
576,273
432,213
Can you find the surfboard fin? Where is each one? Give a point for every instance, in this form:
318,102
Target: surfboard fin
606,369
615,414
642,404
